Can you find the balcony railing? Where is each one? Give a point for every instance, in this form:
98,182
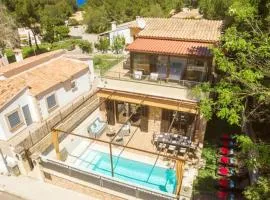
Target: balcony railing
149,79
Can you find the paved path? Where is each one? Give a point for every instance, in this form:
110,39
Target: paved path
7,196
19,188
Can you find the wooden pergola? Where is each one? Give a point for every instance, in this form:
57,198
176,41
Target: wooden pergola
142,100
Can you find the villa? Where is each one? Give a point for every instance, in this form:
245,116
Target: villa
144,135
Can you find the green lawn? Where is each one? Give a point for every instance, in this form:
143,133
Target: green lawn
28,51
104,62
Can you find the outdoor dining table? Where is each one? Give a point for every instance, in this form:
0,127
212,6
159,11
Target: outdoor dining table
180,141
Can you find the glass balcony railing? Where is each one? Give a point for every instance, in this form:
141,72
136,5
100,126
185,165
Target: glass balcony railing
153,78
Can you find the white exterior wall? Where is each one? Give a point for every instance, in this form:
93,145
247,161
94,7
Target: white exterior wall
64,97
125,32
19,102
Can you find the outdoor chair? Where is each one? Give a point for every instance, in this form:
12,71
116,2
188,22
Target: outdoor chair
125,130
227,161
137,75
119,140
171,148
161,146
182,150
226,151
226,171
225,195
153,76
226,183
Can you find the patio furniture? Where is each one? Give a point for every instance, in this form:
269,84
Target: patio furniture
161,146
224,195
182,150
125,130
137,75
153,76
226,183
228,144
171,148
96,128
226,151
119,140
226,171
227,161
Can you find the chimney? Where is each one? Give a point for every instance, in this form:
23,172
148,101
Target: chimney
137,19
18,55
113,25
3,60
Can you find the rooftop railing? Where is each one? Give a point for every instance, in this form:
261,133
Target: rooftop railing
153,78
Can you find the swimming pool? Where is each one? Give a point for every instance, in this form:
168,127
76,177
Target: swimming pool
130,171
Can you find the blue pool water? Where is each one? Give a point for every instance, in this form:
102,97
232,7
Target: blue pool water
81,2
134,172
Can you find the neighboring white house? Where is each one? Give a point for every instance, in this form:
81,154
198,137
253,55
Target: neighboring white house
33,89
25,34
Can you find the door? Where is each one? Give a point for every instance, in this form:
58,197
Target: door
110,112
166,119
144,118
27,115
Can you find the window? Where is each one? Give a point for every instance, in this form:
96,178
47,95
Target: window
51,102
14,119
74,86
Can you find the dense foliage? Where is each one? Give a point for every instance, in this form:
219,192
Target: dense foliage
42,16
103,44
99,14
243,64
8,35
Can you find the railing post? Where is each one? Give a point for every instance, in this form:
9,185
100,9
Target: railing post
56,144
111,158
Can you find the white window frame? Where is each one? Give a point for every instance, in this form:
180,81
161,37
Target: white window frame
74,86
19,125
51,109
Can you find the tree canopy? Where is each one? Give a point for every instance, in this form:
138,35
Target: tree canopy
99,14
41,16
8,34
243,64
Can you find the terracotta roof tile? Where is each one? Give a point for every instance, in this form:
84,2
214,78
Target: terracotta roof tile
170,47
28,63
50,74
41,78
10,88
201,30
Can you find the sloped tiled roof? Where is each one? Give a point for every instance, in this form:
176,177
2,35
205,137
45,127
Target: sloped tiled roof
10,88
41,77
200,30
170,47
50,74
18,67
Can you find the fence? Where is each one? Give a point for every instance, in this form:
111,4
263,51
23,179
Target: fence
34,136
149,79
104,182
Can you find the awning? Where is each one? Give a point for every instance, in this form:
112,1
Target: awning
170,47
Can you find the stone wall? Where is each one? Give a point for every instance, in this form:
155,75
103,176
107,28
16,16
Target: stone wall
154,121
79,187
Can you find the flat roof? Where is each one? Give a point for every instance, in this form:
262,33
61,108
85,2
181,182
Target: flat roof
170,47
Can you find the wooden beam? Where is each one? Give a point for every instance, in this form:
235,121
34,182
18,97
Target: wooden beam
55,141
169,104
